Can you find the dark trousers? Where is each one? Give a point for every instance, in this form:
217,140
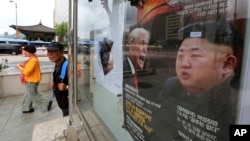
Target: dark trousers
65,112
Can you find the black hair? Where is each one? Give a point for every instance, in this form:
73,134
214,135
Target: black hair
30,48
217,31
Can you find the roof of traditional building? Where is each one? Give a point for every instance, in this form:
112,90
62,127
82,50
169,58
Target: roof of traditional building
34,28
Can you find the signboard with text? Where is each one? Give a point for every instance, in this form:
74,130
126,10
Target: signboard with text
182,64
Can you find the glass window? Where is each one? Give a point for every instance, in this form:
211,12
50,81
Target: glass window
164,69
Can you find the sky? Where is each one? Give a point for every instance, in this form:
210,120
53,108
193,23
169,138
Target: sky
29,12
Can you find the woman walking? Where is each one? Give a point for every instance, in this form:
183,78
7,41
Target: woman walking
31,76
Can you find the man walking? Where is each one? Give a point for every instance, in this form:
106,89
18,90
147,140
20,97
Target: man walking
55,53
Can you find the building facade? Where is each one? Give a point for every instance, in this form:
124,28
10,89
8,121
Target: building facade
61,11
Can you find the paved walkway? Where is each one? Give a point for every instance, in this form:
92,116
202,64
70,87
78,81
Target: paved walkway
16,126
43,125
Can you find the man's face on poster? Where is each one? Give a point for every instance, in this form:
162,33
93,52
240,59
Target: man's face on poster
200,64
138,52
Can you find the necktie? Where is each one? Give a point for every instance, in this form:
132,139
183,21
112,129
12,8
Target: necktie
135,80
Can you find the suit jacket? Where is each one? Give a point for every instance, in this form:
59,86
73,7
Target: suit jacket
184,117
129,73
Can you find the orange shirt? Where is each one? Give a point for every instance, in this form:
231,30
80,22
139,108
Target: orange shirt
31,71
79,65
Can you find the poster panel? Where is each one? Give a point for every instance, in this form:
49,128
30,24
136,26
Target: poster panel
101,28
182,67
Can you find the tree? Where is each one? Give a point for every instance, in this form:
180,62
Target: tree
61,31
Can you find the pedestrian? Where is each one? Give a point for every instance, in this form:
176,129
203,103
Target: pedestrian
79,75
55,53
31,76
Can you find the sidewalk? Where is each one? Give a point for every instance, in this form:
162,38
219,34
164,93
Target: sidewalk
43,126
14,125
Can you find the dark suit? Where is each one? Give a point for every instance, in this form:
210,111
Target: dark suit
129,73
184,117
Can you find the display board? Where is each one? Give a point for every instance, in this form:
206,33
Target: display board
182,67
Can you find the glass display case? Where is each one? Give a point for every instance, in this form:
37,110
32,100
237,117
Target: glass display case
159,70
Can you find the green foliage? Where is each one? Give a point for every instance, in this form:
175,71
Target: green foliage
65,44
61,29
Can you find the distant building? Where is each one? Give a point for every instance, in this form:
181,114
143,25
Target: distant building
36,32
61,11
